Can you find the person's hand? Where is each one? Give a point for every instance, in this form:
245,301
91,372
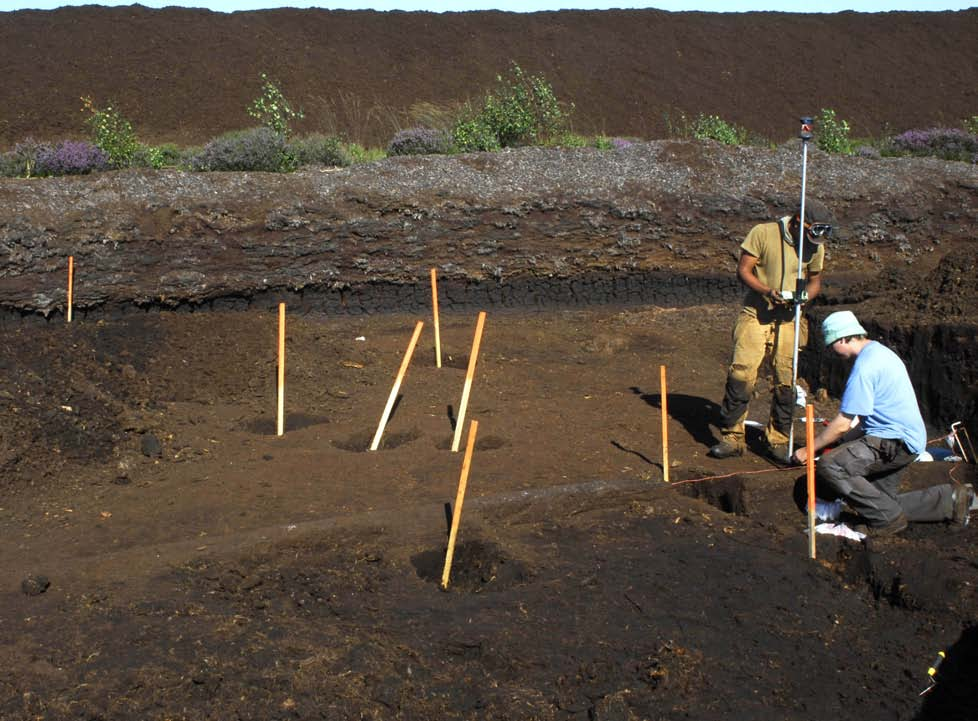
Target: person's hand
799,456
775,297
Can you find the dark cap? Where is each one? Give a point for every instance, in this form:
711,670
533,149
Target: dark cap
818,214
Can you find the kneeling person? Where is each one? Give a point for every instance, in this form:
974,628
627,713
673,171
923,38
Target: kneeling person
865,470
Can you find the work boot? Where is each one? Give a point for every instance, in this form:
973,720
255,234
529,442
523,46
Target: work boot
725,449
778,452
891,528
962,498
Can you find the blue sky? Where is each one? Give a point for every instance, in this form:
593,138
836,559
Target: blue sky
868,6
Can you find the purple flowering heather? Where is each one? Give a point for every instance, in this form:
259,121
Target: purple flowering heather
947,143
71,157
419,141
620,143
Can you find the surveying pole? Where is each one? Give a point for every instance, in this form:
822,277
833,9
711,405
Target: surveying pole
805,135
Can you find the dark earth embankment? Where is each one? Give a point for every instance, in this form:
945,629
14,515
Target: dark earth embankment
185,75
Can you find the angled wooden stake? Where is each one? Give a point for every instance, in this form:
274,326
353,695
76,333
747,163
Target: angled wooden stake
397,385
810,467
459,499
434,313
71,285
665,424
468,381
280,424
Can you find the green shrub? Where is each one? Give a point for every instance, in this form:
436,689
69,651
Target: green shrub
157,156
255,149
319,149
713,127
521,110
272,109
473,134
569,140
21,162
112,133
832,133
359,154
971,124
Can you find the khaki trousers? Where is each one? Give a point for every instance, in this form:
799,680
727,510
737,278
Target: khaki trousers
753,341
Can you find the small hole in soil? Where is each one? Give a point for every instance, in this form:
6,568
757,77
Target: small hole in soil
360,442
293,422
476,566
727,494
488,443
447,361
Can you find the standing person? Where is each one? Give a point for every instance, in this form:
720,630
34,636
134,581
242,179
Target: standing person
766,325
865,469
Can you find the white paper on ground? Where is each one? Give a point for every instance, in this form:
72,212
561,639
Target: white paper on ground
839,529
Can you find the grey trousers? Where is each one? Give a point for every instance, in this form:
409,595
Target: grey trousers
866,473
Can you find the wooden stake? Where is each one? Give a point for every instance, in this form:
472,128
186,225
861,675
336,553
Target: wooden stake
810,467
468,381
459,498
397,385
665,424
281,369
71,284
434,312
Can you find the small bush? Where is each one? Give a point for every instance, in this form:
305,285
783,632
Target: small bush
271,108
473,135
255,149
971,124
318,149
522,110
22,160
945,143
420,141
71,157
832,133
359,154
713,127
112,133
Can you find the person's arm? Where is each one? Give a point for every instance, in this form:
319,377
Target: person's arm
836,428
745,271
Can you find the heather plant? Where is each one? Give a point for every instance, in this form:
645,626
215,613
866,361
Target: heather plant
255,149
603,142
832,133
272,109
521,110
945,143
112,132
420,141
319,149
70,157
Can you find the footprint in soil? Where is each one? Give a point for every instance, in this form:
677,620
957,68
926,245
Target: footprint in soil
360,442
476,566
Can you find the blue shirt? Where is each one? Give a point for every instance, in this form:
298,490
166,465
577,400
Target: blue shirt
880,393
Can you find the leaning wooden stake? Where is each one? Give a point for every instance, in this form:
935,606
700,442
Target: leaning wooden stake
280,426
71,284
665,425
468,381
434,312
397,385
810,467
459,498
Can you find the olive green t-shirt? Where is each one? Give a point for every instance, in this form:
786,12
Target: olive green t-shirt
777,260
